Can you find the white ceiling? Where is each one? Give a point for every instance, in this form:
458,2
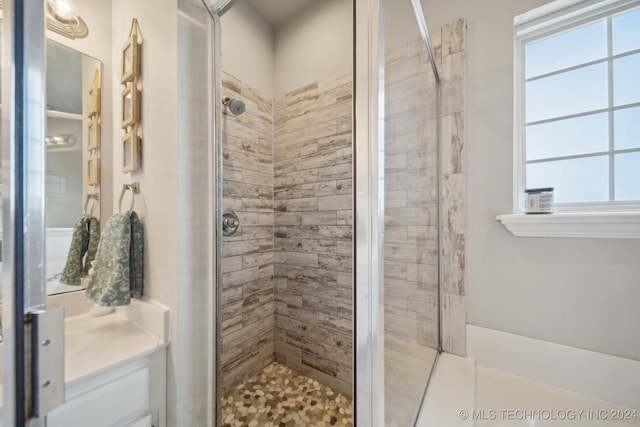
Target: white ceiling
277,12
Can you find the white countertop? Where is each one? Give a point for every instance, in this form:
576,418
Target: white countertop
96,344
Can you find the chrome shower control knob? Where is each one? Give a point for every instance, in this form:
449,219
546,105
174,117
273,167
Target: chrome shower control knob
230,223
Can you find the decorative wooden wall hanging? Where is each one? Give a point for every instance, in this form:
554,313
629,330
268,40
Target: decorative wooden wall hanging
93,161
131,100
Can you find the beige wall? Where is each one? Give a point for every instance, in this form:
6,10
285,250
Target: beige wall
248,47
400,25
157,204
578,292
306,51
157,176
299,51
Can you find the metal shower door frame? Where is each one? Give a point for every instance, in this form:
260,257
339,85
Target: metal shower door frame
369,117
215,11
368,373
23,177
368,129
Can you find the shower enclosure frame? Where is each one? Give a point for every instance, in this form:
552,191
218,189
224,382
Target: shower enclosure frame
369,119
368,128
25,400
368,381
368,208
215,317
23,178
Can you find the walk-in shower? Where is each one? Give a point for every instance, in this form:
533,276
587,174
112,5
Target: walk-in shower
288,308
285,332
308,180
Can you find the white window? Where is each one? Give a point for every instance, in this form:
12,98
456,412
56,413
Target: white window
577,104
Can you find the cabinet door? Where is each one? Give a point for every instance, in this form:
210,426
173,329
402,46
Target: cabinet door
107,405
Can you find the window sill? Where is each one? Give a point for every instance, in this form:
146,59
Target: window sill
607,225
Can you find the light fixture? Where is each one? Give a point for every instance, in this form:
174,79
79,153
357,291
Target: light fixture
60,141
63,10
65,19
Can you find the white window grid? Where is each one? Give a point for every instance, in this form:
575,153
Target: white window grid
563,16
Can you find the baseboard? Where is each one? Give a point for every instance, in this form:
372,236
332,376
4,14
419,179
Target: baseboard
601,376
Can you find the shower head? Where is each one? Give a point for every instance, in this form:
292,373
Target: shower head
236,106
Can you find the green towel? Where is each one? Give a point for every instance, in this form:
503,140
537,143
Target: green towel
118,271
94,238
109,279
84,241
137,257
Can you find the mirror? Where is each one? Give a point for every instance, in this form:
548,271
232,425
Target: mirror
71,162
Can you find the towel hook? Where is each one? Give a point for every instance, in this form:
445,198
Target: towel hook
93,198
134,188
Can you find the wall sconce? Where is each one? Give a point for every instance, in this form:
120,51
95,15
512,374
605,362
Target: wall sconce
60,141
63,10
65,19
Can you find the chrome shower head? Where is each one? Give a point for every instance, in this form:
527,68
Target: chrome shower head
236,106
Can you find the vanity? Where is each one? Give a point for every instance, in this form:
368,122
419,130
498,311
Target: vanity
115,368
115,365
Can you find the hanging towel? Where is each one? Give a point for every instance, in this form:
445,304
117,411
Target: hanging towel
109,278
84,241
137,257
92,248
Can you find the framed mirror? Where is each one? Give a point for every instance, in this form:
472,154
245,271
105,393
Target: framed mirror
130,105
94,133
73,82
131,56
131,150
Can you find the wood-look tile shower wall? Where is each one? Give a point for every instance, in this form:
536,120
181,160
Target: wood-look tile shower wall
313,230
287,276
248,319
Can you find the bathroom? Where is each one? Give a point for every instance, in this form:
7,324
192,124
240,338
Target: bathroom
320,180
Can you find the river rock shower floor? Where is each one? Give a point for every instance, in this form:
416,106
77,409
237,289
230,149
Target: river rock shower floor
280,397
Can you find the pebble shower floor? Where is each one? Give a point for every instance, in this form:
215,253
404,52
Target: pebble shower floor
280,397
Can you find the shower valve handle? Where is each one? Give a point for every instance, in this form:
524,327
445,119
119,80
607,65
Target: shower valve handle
230,223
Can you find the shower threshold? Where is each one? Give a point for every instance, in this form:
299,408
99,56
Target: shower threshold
280,397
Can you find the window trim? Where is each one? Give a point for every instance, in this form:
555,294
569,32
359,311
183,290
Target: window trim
539,23
613,219
611,225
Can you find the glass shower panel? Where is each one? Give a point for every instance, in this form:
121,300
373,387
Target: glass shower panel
410,152
2,224
23,198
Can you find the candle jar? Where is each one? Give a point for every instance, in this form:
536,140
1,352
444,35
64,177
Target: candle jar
539,200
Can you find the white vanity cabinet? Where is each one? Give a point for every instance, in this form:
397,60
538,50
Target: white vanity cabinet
130,394
115,368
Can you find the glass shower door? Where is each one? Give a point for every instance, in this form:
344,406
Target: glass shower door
33,380
285,282
409,195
